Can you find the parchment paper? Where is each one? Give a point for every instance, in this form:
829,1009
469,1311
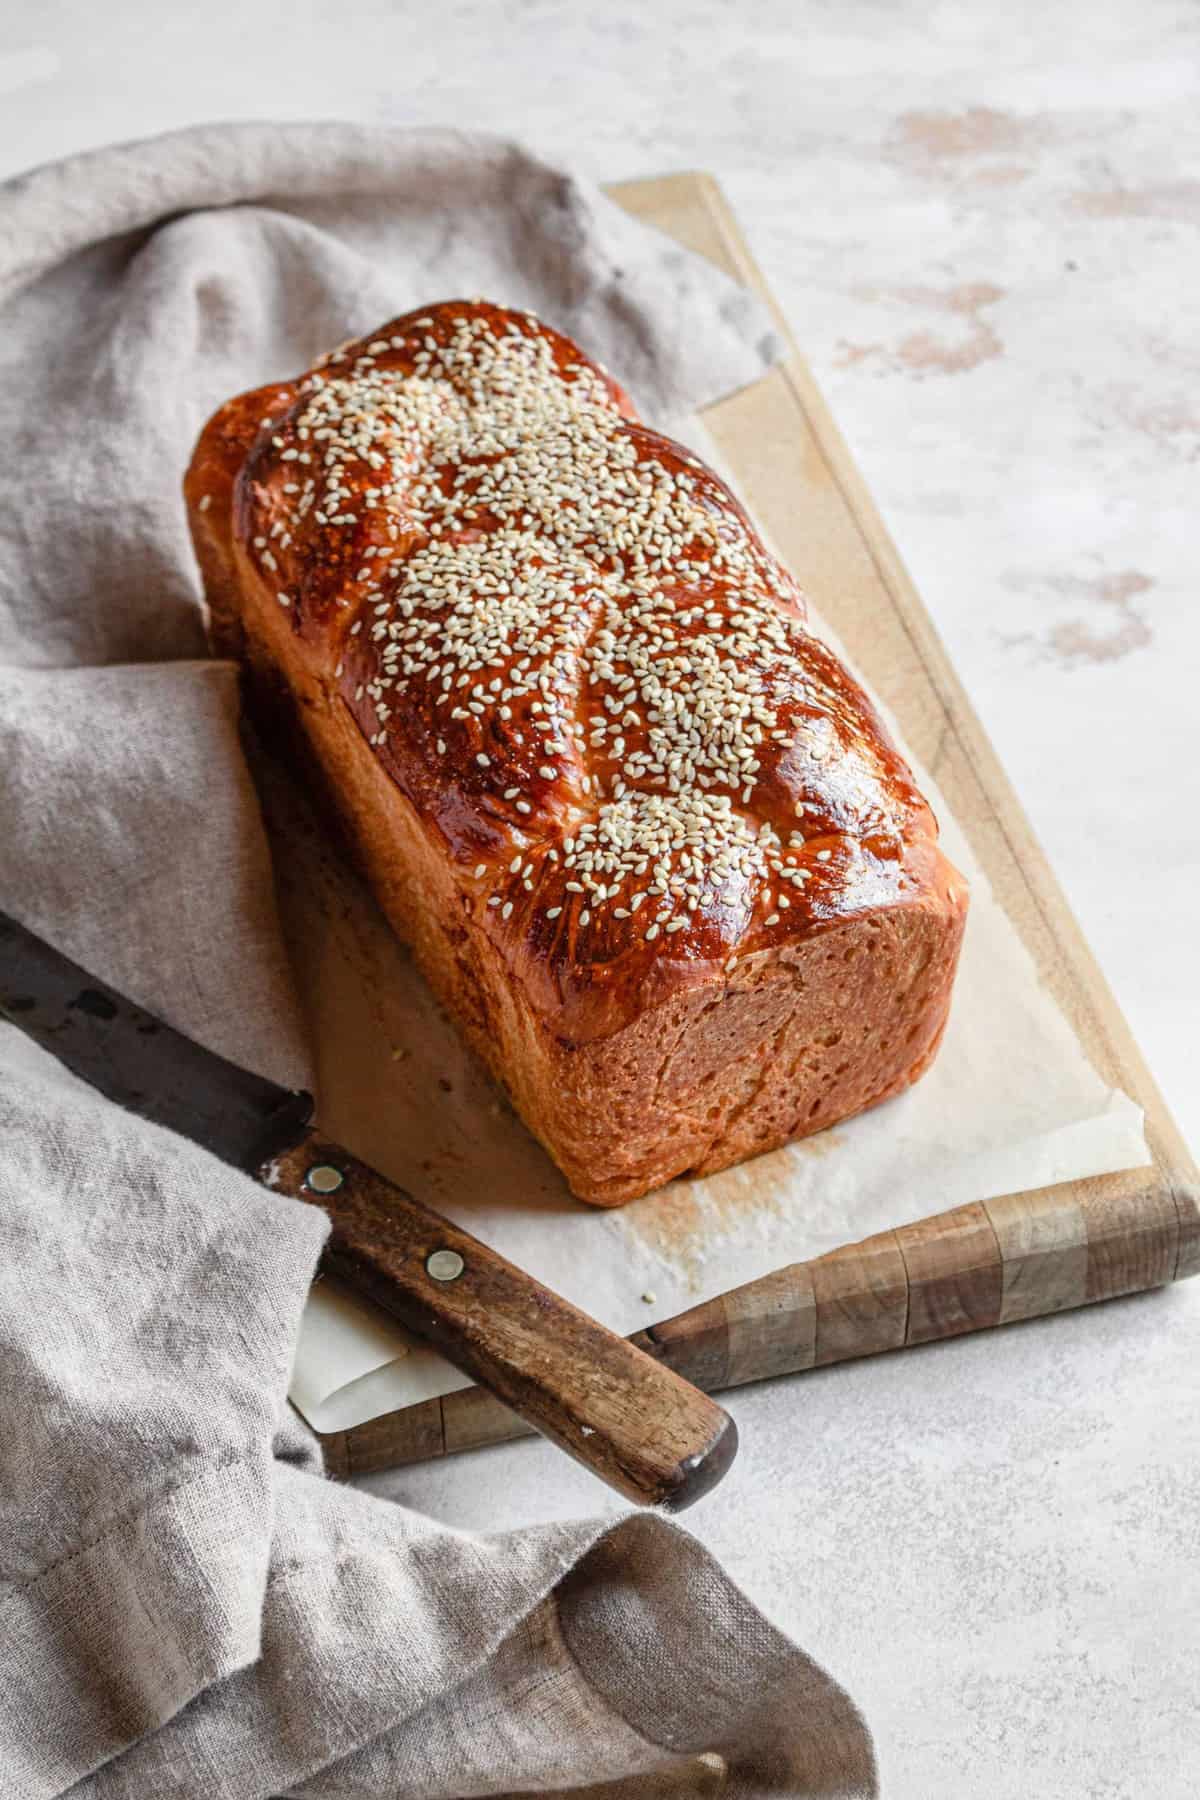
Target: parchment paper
1011,1103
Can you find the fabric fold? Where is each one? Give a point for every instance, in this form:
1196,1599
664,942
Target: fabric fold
90,1668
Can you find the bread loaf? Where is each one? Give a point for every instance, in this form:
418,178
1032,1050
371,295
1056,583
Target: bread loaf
648,839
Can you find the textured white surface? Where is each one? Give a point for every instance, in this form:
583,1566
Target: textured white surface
983,223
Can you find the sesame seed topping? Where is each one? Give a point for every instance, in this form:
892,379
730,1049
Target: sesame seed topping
559,583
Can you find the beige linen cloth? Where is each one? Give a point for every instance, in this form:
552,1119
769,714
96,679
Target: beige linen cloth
188,1607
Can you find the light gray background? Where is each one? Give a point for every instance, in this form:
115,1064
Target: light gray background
982,223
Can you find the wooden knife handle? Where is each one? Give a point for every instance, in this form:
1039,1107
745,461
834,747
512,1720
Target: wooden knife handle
623,1413
987,1263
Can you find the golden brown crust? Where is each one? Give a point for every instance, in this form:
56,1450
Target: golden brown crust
649,839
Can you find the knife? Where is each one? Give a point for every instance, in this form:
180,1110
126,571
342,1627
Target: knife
634,1422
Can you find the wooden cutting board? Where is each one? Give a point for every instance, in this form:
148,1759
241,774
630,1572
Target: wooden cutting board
982,1264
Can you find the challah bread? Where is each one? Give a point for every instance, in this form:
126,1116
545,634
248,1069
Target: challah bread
649,841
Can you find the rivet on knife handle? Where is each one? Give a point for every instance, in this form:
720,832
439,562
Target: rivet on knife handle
629,1418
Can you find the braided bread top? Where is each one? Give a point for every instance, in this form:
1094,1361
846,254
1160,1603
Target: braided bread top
566,644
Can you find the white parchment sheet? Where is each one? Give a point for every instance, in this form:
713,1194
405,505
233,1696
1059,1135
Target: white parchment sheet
1011,1103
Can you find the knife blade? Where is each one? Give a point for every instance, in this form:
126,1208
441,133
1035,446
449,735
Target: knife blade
630,1419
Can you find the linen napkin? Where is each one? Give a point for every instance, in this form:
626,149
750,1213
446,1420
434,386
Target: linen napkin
188,1607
